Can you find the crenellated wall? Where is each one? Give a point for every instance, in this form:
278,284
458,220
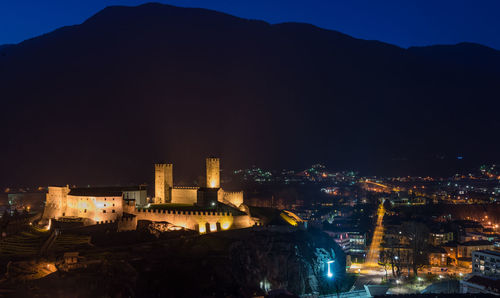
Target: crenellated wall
235,198
127,223
196,220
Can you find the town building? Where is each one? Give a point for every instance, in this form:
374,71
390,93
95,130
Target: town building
477,284
342,239
486,263
485,275
465,249
437,256
440,237
470,236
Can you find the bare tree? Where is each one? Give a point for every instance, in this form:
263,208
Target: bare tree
417,235
384,261
392,252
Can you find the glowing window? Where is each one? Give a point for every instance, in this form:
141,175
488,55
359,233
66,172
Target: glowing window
213,227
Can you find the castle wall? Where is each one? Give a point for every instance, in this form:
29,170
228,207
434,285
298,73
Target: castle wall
213,172
197,220
235,198
60,204
184,195
94,208
127,224
128,206
55,204
243,221
108,208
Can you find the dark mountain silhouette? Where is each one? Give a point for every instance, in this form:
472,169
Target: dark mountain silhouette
4,47
101,101
468,55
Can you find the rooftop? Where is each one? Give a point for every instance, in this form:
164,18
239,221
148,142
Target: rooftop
476,243
108,191
489,252
435,249
491,284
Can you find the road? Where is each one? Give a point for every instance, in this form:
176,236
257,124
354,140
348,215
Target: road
370,271
374,250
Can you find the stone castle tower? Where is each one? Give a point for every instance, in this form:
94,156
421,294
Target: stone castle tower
164,182
213,173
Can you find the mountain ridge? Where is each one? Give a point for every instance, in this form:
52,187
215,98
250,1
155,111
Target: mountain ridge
199,83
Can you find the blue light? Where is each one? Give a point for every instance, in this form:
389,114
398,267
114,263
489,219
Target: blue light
329,274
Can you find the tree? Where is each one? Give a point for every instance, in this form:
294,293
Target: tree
384,261
394,255
391,255
417,235
6,215
387,204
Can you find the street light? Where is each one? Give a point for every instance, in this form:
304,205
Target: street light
329,274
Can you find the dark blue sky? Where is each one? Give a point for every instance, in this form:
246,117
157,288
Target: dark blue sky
400,22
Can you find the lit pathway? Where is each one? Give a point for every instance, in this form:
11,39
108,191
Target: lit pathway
370,272
374,250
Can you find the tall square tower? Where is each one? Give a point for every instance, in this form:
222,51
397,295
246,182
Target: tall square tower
164,182
213,173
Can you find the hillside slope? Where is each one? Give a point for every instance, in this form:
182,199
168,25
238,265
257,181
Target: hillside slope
101,101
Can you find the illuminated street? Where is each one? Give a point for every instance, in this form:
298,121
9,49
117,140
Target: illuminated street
370,272
374,250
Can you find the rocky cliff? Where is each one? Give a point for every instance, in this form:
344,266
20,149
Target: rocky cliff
227,264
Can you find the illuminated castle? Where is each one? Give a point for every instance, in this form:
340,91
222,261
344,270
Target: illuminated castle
204,209
166,192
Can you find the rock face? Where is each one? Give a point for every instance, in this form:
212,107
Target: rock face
296,261
237,263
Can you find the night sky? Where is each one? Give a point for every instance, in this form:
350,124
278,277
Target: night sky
404,23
